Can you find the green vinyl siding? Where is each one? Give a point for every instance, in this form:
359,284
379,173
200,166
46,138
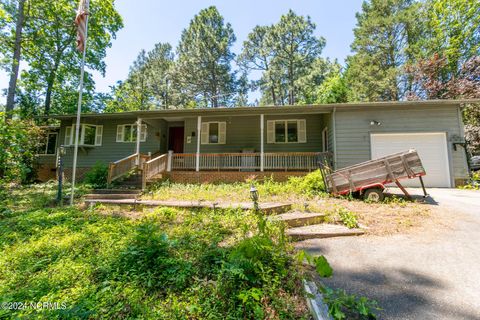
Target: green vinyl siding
243,133
353,130
110,150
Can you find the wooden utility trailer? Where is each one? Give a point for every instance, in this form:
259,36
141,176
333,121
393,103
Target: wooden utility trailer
368,179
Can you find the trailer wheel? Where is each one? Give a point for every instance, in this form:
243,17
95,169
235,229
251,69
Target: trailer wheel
373,195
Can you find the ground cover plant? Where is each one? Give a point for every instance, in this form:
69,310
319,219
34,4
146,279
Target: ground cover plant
167,264
296,189
474,182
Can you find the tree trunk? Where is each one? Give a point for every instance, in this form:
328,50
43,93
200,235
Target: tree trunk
12,85
50,83
48,95
291,91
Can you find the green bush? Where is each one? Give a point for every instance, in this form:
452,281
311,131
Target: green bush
310,184
348,218
97,176
19,143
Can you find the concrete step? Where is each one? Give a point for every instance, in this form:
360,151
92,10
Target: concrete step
299,219
111,196
116,191
319,231
267,207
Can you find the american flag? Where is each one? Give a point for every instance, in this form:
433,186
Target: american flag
81,22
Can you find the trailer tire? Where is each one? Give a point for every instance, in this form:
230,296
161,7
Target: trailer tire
373,195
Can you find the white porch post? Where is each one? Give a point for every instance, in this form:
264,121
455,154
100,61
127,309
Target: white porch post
139,131
199,129
262,155
169,160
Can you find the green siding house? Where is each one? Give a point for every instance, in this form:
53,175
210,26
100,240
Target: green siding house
234,143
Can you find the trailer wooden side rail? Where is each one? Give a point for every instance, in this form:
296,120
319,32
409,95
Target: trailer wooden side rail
369,178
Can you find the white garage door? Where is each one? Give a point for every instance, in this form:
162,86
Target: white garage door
431,147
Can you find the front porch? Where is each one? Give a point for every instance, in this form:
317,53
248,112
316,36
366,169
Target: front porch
241,145
215,167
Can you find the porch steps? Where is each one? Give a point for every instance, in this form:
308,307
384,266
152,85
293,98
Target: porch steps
133,181
113,194
300,219
267,207
320,231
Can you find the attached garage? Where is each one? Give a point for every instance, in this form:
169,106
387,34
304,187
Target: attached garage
431,147
434,128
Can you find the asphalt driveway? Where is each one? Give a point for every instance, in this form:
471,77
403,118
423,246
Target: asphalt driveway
433,274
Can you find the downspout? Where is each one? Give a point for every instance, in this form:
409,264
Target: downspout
334,120
139,131
461,127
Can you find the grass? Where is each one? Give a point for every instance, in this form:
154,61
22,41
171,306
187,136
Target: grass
166,264
295,189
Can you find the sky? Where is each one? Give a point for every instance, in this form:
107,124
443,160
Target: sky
147,22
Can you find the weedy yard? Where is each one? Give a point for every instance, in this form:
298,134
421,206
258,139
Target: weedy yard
164,263
167,264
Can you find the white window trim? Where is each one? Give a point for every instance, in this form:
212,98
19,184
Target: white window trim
325,145
208,133
46,146
135,138
82,135
285,121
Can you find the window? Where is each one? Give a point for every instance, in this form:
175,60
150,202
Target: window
286,131
213,133
90,135
128,133
49,145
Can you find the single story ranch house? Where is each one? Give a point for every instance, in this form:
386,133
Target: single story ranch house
232,144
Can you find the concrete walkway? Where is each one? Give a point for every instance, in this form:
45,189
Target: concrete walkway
433,274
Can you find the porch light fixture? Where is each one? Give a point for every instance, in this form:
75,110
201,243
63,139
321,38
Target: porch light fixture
375,123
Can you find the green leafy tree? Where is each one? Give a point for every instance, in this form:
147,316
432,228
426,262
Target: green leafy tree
386,40
296,49
286,53
258,55
148,85
48,44
19,142
453,32
334,88
17,15
203,69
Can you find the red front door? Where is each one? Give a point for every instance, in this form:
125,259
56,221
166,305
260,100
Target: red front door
175,139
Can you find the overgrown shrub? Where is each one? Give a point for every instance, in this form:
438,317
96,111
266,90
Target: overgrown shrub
97,176
19,143
311,183
474,182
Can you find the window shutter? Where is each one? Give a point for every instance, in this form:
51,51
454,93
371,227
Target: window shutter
270,131
222,132
302,131
143,133
204,133
120,133
98,136
68,136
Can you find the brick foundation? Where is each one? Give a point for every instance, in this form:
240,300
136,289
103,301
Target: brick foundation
80,174
46,172
228,176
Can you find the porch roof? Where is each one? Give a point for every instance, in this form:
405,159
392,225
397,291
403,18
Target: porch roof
242,111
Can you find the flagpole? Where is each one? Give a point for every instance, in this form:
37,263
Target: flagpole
79,112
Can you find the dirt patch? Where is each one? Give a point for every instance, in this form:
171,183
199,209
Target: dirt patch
397,216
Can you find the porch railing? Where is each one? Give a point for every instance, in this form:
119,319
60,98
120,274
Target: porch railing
250,161
153,167
123,166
